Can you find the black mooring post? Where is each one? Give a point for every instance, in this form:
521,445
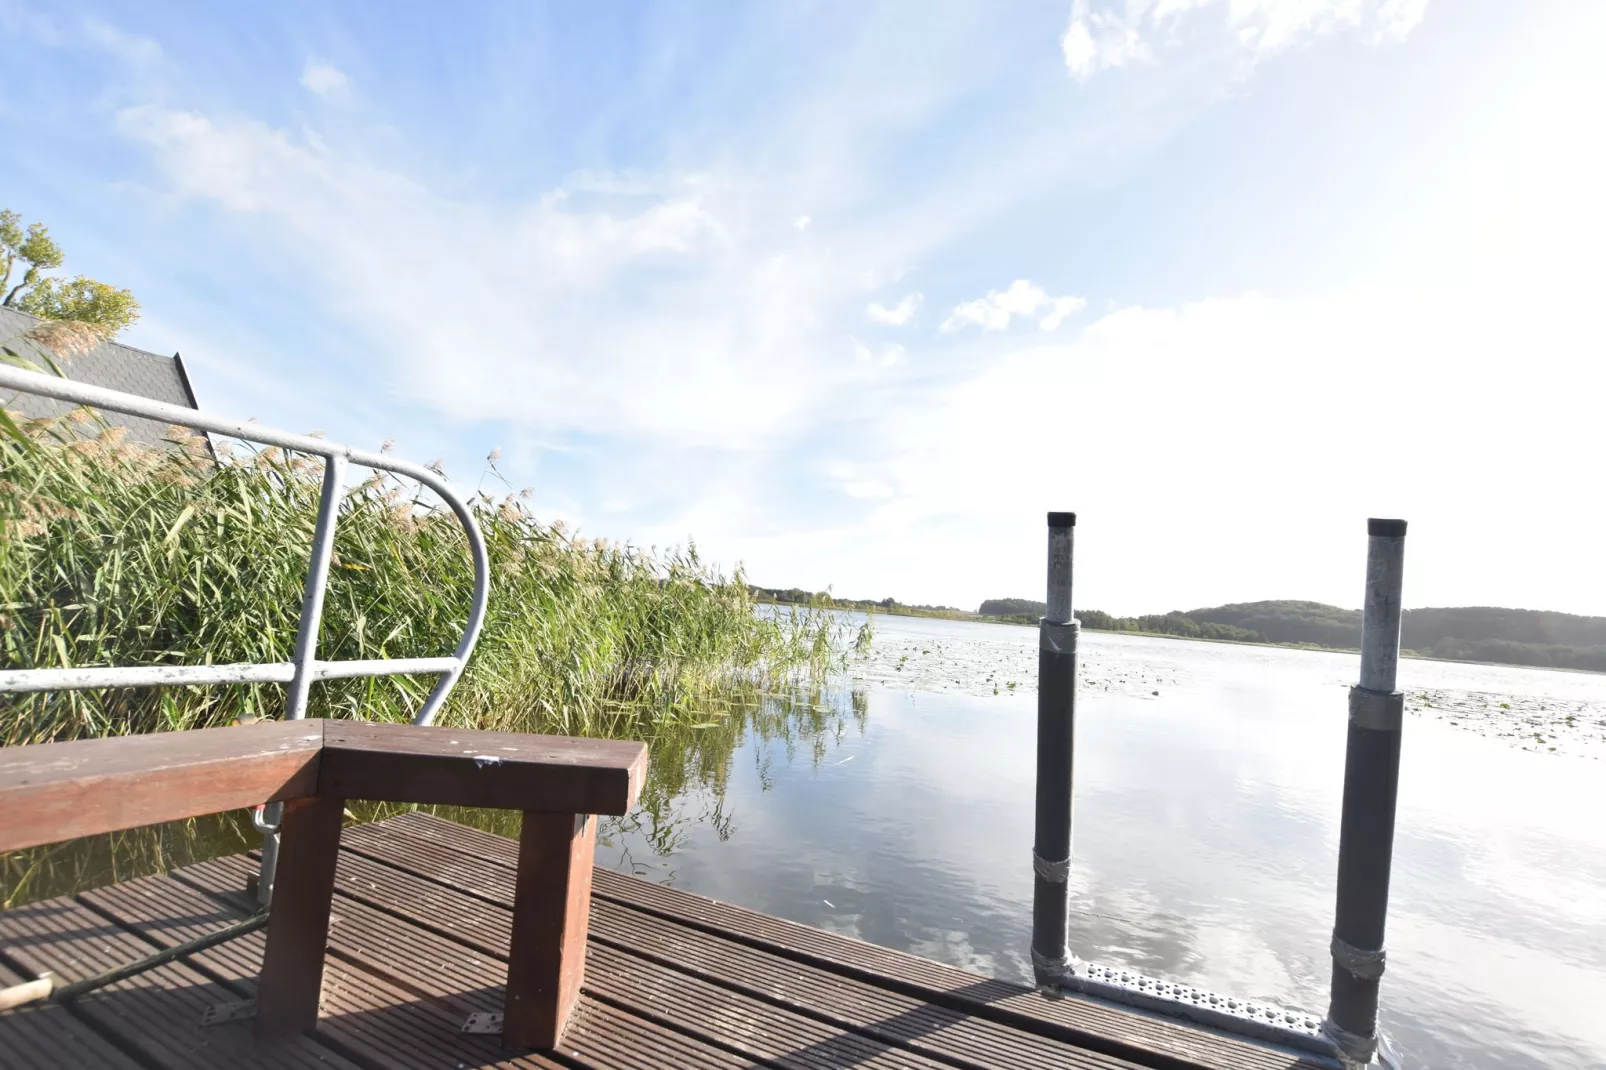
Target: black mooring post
1056,742
1371,785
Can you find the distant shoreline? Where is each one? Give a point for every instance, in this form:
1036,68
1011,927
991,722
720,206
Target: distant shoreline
1412,655
1024,621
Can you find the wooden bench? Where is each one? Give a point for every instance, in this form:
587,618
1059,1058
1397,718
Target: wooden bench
58,791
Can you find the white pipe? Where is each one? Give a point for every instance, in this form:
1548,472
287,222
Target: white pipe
27,992
19,681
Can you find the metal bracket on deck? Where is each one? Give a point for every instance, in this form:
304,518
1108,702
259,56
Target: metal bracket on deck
483,1022
232,1011
1250,1018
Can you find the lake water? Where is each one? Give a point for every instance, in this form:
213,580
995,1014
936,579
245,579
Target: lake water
1208,780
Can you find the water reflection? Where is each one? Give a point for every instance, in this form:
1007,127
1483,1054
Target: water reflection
93,861
896,808
1206,833
686,791
686,797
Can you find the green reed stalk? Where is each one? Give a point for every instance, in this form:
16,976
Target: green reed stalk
117,555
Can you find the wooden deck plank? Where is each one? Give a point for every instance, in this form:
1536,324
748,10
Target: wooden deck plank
845,1003
1077,1019
415,959
363,1013
381,1024
163,912
47,1036
156,1015
364,1017
888,1016
395,995
763,1030
464,979
419,938
1122,1031
460,973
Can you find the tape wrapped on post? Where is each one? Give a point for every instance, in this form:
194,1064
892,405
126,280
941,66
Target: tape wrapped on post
1055,967
1053,872
1381,711
1361,963
1357,1048
1058,638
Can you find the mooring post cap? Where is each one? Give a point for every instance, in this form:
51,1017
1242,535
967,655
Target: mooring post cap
1063,520
1393,529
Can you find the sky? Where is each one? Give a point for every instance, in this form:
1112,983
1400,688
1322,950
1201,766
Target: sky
853,293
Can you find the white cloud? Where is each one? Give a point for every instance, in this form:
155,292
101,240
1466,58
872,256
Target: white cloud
1095,40
803,222
898,314
1211,406
890,354
1109,36
325,79
639,302
662,313
1058,309
642,311
1022,298
849,478
877,277
134,49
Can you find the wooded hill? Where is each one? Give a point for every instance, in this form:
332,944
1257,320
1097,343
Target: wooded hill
1469,633
825,600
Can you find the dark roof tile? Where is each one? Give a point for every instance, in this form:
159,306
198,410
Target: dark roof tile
109,364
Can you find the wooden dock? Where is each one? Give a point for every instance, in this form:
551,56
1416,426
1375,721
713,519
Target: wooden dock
419,938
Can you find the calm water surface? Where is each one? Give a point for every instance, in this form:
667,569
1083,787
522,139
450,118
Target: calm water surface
1208,781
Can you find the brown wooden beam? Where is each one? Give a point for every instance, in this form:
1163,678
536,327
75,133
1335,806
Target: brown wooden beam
551,915
461,767
58,791
298,921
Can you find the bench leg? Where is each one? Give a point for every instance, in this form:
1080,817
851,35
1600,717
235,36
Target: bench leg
298,920
551,914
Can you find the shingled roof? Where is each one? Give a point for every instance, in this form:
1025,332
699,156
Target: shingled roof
108,364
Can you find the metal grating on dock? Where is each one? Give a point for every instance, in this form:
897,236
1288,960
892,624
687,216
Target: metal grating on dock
421,926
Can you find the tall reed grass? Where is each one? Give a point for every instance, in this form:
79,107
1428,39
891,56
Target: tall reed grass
112,554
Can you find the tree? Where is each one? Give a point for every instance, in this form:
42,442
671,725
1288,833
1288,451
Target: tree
81,299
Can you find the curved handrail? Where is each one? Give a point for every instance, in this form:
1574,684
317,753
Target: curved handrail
305,668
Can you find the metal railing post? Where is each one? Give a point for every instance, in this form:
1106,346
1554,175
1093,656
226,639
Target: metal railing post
1056,741
323,541
295,705
1371,786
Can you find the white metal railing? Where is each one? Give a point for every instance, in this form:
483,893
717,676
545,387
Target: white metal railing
304,668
